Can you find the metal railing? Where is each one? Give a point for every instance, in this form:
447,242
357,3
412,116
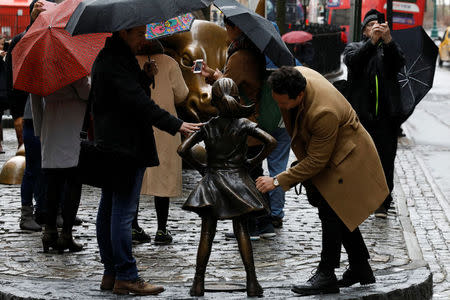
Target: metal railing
323,53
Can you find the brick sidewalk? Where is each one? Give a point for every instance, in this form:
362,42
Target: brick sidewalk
289,258
428,211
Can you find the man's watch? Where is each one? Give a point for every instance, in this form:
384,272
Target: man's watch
275,182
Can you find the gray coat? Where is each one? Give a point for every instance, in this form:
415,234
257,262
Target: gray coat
58,119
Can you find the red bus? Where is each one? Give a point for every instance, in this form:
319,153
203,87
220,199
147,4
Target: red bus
405,13
14,16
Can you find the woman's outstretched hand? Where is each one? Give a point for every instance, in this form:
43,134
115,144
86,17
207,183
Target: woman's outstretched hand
187,128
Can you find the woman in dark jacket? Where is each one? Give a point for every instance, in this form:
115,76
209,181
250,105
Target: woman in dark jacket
123,120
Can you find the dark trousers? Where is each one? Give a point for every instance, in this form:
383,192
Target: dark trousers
33,180
384,133
62,182
335,234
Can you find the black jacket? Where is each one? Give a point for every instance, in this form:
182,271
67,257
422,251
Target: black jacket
16,98
122,110
3,90
365,61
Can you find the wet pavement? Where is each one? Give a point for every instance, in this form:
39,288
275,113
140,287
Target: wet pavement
426,161
289,258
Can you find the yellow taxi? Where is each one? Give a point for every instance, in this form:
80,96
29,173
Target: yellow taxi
444,47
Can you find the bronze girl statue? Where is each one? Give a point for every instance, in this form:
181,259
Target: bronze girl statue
226,190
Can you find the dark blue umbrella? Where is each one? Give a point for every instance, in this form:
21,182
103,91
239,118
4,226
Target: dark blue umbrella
259,30
93,16
416,77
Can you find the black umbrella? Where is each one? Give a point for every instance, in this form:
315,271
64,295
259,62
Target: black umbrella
416,77
259,30
112,15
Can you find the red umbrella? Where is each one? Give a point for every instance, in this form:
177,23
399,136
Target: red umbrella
297,37
48,58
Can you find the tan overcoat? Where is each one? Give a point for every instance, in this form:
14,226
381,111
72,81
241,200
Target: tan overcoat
170,89
334,151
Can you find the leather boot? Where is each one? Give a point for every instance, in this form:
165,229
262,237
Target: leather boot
323,282
137,287
65,241
361,273
27,221
107,282
18,126
49,238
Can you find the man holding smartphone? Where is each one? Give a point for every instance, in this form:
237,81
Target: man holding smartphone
374,91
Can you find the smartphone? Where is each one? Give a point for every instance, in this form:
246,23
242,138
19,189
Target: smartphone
381,19
198,64
6,46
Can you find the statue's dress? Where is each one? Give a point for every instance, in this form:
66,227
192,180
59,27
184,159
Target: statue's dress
227,190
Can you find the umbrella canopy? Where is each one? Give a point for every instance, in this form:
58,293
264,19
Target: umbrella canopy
48,58
259,30
114,15
169,27
416,77
297,37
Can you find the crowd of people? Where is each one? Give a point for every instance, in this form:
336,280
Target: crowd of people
345,149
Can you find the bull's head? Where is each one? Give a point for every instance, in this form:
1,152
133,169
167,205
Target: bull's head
206,41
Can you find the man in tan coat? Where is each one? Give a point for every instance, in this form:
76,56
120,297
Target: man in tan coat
339,166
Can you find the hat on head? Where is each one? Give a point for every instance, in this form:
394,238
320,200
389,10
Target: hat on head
371,15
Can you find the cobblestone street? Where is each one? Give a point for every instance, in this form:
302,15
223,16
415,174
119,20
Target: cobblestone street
287,259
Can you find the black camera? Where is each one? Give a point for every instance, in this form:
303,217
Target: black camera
381,19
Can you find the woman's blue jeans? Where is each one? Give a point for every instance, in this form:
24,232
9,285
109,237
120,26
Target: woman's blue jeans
33,179
277,162
115,215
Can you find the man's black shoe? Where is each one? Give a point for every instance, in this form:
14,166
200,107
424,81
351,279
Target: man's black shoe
361,274
77,221
320,283
381,212
277,222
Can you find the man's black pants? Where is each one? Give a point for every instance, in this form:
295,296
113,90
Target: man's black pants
384,133
335,234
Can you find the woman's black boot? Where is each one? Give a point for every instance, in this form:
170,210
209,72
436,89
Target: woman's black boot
65,241
49,238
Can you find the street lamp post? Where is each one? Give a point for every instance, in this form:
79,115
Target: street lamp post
434,31
304,3
355,24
